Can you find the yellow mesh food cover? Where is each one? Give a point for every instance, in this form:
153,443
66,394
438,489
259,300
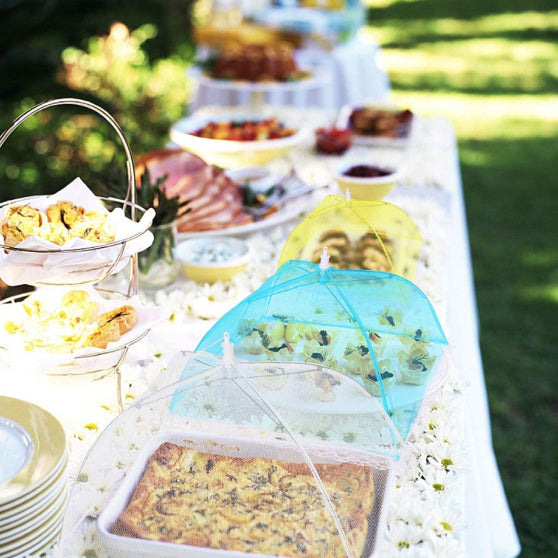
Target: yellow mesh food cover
358,234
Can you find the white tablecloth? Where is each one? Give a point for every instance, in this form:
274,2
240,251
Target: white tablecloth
490,528
349,74
430,191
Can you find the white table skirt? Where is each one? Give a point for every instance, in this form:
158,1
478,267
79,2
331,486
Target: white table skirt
430,191
486,503
349,74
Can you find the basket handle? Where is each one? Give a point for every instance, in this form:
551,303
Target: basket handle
131,193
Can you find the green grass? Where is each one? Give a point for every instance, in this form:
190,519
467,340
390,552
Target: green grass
493,71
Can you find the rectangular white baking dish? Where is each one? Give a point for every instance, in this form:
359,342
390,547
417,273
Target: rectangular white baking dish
127,547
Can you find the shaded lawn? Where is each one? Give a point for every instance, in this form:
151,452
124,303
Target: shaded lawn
491,68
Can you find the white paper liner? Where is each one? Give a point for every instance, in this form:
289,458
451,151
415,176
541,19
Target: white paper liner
85,359
64,265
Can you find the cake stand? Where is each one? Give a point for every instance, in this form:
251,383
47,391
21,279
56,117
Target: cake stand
118,247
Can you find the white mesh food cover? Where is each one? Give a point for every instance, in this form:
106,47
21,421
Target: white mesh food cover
227,462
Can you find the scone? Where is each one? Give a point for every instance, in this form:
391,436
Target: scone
65,212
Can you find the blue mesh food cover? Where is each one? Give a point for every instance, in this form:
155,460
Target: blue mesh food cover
375,327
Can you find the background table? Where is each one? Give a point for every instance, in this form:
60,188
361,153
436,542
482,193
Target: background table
349,74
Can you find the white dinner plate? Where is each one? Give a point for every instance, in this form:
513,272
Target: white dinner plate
31,497
11,517
49,449
41,546
17,448
24,545
30,523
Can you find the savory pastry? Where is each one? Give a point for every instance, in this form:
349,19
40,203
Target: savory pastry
292,332
253,505
415,363
25,217
270,377
323,355
101,336
295,332
252,342
357,359
390,317
320,384
273,334
110,326
54,232
371,382
12,234
78,305
413,336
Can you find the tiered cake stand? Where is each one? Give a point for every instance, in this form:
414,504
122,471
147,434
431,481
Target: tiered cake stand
97,273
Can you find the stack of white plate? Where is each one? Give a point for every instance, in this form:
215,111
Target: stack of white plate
33,479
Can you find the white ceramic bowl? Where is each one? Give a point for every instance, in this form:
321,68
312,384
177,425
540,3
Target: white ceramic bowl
231,153
209,259
366,188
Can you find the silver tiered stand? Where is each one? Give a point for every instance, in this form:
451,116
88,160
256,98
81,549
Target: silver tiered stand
97,274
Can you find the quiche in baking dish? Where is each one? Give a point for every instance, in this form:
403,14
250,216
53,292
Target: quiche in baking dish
248,504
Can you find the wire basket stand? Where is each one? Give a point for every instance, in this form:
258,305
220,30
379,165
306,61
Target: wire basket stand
94,275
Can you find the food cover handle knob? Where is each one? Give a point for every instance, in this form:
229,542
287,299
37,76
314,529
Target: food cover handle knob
228,351
324,260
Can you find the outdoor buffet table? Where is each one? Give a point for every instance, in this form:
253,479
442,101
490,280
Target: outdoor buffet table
351,73
446,497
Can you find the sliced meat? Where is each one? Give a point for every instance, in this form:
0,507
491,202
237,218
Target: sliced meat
215,200
174,162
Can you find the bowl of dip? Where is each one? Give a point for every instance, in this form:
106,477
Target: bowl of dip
213,258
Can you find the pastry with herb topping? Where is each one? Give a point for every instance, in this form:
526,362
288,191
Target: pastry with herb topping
372,383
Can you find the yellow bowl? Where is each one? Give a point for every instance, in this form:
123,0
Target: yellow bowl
366,188
213,258
230,153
